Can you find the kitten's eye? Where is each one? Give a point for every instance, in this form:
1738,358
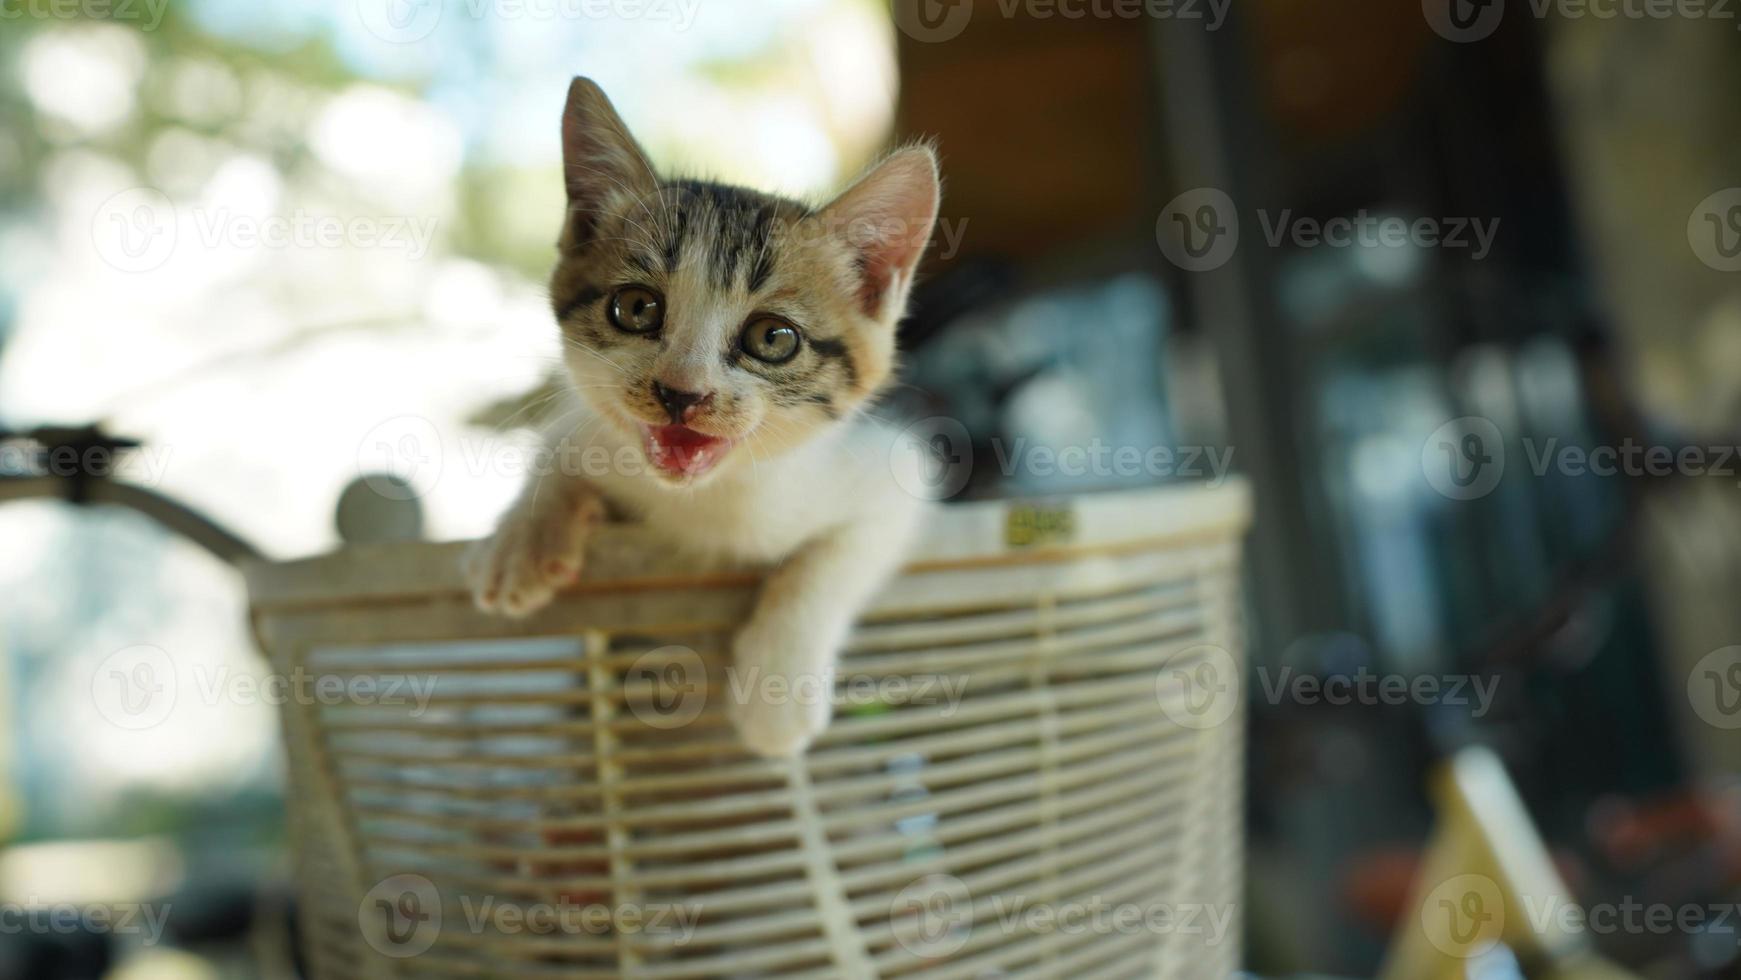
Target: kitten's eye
772,340
637,309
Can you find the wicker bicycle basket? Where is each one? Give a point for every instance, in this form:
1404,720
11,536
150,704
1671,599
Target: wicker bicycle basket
1034,768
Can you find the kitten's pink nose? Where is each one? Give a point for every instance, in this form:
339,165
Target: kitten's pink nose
680,405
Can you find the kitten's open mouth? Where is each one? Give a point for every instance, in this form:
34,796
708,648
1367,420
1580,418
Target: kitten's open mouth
679,451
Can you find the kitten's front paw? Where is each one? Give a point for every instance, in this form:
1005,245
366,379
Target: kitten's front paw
534,552
781,690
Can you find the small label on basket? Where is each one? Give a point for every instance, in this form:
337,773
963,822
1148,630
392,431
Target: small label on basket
1031,524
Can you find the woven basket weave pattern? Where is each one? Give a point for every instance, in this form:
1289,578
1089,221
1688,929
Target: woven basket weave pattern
564,796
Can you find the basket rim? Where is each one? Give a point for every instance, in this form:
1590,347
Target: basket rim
624,558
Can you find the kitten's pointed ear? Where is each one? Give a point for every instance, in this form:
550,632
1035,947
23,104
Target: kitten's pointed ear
887,217
603,167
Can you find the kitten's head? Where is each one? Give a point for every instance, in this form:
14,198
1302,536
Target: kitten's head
712,323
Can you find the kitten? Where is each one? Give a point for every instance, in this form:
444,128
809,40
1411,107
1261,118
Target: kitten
723,342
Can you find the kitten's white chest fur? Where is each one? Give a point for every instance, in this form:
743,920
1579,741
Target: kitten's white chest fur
833,517
766,508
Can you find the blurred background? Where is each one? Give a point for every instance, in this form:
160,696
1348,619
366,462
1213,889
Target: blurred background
1407,269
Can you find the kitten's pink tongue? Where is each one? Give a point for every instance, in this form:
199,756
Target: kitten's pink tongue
680,450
